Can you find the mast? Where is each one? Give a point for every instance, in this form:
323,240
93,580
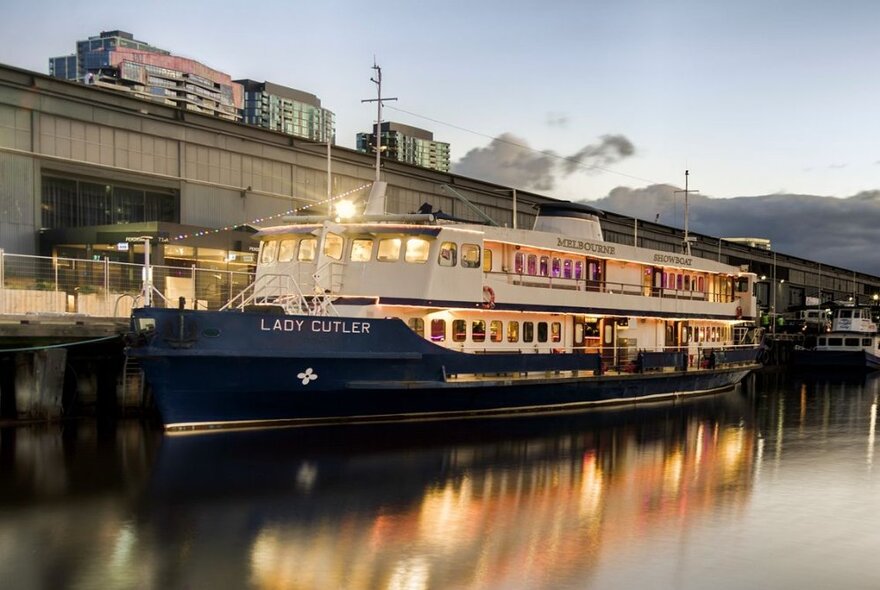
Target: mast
687,239
376,200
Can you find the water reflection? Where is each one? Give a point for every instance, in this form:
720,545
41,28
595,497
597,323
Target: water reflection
743,490
491,504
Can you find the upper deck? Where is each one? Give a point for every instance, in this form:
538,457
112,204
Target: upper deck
466,266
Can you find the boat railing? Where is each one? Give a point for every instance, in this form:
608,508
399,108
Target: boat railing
281,291
611,287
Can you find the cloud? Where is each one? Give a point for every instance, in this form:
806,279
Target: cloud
841,232
610,150
510,160
557,120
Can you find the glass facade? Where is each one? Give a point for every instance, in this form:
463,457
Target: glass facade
114,59
71,202
63,67
287,115
398,145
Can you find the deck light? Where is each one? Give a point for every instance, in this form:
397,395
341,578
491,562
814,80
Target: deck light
345,209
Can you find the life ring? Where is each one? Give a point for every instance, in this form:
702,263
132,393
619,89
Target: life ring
739,312
488,297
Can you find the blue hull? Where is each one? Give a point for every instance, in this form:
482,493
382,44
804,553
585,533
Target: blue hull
210,369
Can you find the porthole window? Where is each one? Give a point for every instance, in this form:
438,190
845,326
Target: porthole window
438,330
286,250
478,331
513,331
459,330
307,249
417,325
417,250
333,246
361,249
389,250
448,255
470,256
270,248
496,330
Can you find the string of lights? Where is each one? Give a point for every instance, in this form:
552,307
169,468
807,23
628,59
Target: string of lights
259,220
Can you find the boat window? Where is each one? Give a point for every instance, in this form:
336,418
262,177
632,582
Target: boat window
307,249
578,333
542,331
361,249
578,269
533,264
566,268
679,282
845,313
333,246
438,330
556,332
470,256
528,331
487,260
459,330
286,250
513,331
595,271
544,268
700,284
518,263
835,341
866,342
556,268
389,250
478,331
687,282
851,342
417,325
496,328
270,247
417,250
448,254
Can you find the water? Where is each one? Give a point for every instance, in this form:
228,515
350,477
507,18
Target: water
768,488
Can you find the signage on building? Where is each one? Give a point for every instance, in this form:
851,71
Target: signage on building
122,246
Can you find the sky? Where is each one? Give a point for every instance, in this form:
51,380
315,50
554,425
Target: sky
571,99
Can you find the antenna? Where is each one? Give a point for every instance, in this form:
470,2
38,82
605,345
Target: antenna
378,100
687,239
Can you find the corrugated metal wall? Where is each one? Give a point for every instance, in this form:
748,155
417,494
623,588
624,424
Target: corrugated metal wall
18,230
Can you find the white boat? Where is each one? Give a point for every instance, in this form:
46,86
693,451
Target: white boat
384,317
852,343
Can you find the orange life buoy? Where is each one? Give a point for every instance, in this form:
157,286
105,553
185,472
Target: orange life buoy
488,297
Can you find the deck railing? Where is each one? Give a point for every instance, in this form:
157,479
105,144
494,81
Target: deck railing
103,288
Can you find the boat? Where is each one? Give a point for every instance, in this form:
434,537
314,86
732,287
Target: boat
381,317
852,343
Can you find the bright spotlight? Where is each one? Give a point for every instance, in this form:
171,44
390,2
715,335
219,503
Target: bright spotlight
345,209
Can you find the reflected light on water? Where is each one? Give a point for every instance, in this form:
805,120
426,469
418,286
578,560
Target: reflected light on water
599,500
531,513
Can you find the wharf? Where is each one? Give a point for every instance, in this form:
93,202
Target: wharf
42,329
61,365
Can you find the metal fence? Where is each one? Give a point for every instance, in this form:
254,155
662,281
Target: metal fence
102,288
